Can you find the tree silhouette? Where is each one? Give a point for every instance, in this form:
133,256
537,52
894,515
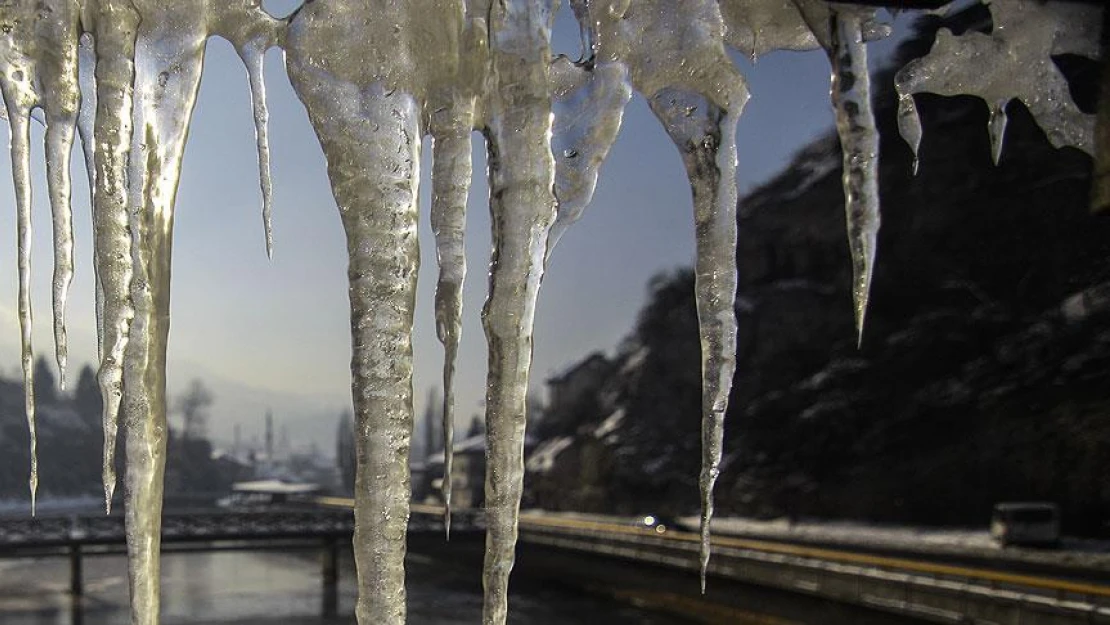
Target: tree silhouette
193,406
46,385
345,451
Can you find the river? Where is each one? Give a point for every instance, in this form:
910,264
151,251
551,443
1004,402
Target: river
268,588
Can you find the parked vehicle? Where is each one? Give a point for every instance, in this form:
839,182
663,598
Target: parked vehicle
1026,523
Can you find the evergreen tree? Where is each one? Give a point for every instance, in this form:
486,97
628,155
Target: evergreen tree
193,406
477,427
46,389
86,397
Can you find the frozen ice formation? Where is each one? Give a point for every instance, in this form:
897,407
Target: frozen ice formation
1014,61
376,77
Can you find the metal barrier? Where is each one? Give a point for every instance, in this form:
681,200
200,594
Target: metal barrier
935,592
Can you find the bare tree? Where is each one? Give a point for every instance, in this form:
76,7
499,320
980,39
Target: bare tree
193,406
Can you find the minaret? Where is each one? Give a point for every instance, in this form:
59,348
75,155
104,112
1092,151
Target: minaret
269,435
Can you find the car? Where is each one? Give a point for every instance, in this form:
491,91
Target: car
1026,523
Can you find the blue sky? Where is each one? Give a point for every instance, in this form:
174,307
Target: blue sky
274,333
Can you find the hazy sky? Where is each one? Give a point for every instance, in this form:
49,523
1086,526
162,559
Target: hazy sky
275,333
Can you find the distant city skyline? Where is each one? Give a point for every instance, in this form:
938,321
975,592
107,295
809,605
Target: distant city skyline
274,334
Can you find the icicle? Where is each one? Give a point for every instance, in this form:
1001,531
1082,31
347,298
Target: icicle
996,127
367,118
38,81
169,68
86,120
18,100
859,141
59,146
253,31
706,139
589,107
168,55
59,138
909,126
253,58
1014,61
116,27
451,174
522,208
698,95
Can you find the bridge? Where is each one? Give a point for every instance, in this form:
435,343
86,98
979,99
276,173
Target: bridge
939,588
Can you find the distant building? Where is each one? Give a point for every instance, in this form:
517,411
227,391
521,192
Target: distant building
569,387
468,473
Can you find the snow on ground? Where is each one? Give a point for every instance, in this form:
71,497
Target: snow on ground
975,542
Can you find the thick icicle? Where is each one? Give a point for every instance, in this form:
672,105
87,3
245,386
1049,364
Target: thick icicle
365,105
859,143
116,27
373,151
451,175
522,208
169,55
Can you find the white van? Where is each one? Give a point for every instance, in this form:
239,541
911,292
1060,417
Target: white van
1026,523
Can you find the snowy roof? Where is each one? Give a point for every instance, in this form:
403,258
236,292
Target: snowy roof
610,424
275,486
594,359
472,445
543,459
469,445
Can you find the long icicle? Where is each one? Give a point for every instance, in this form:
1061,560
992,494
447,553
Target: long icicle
86,120
253,56
522,209
859,141
706,140
170,55
19,119
116,29
59,146
698,96
62,101
451,174
372,142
